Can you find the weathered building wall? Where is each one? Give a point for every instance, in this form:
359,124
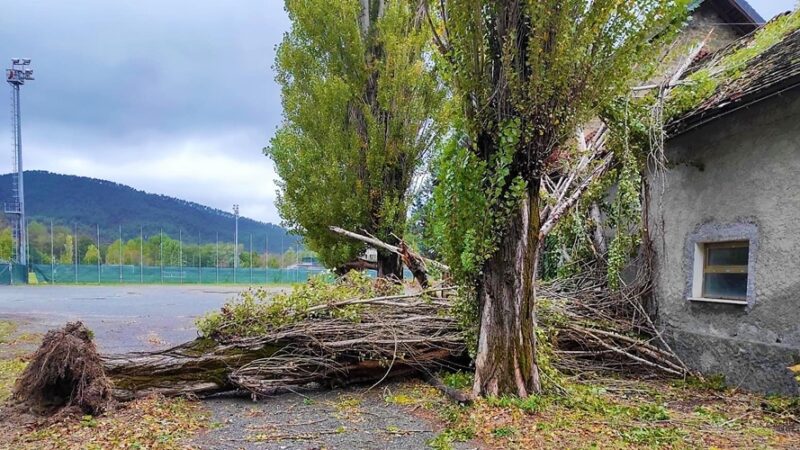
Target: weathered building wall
738,176
705,22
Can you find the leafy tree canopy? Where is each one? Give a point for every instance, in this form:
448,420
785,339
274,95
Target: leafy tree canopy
359,93
528,75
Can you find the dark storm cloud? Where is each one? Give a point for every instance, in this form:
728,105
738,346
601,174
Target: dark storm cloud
126,68
173,97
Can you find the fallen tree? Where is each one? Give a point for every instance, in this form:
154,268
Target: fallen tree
330,334
354,330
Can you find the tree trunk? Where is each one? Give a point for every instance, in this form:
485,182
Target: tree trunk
389,265
204,367
506,360
358,265
598,236
197,367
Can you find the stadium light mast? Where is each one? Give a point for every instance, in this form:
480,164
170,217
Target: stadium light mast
16,76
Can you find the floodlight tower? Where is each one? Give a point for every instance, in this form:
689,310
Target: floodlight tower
16,76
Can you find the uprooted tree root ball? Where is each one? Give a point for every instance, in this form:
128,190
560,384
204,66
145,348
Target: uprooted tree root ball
66,371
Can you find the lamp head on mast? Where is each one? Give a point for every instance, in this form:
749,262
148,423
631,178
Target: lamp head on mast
19,72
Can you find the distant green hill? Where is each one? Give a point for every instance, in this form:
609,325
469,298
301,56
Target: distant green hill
70,200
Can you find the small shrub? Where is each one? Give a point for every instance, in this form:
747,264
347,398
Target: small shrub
504,432
653,413
459,380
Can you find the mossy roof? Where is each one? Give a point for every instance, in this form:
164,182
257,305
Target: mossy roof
774,70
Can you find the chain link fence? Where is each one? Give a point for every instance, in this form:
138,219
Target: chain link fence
75,254
133,274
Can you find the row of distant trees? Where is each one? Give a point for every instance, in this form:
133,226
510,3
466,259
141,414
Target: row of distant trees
155,250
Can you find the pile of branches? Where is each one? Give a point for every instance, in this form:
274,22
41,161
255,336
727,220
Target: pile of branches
393,335
598,329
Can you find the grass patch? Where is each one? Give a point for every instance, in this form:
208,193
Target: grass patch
612,413
714,383
652,436
153,423
347,407
7,329
10,369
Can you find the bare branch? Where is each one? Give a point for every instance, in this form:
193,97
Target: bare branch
383,245
563,206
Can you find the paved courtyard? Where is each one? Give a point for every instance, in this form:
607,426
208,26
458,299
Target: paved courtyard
123,318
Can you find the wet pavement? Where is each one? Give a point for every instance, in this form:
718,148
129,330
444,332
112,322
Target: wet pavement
123,318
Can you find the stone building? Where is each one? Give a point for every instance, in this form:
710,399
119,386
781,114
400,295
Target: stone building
724,220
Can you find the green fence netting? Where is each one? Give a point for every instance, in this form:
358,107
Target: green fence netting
133,274
11,274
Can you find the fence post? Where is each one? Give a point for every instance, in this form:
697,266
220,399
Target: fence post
251,258
216,262
98,253
266,258
52,257
141,255
120,254
75,239
199,260
161,253
180,253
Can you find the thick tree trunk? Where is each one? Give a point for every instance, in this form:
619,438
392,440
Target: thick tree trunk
203,367
389,265
506,361
598,236
359,265
198,367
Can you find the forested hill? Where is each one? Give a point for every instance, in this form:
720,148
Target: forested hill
87,202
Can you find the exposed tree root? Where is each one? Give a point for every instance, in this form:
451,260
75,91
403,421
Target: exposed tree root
65,371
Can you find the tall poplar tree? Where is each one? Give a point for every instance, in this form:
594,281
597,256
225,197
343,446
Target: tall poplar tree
529,74
359,94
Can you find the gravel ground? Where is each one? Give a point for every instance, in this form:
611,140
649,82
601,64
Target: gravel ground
347,419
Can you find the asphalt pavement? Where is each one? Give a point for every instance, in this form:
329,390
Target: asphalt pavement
123,318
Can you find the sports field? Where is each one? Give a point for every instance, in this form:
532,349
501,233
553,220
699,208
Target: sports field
123,318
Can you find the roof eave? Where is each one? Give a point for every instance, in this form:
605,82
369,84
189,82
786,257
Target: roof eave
691,122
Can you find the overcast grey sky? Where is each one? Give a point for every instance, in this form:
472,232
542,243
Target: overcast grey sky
173,97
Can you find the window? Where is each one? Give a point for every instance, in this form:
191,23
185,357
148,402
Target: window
725,270
721,263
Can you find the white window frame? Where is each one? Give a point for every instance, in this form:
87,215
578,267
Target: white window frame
699,272
713,233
